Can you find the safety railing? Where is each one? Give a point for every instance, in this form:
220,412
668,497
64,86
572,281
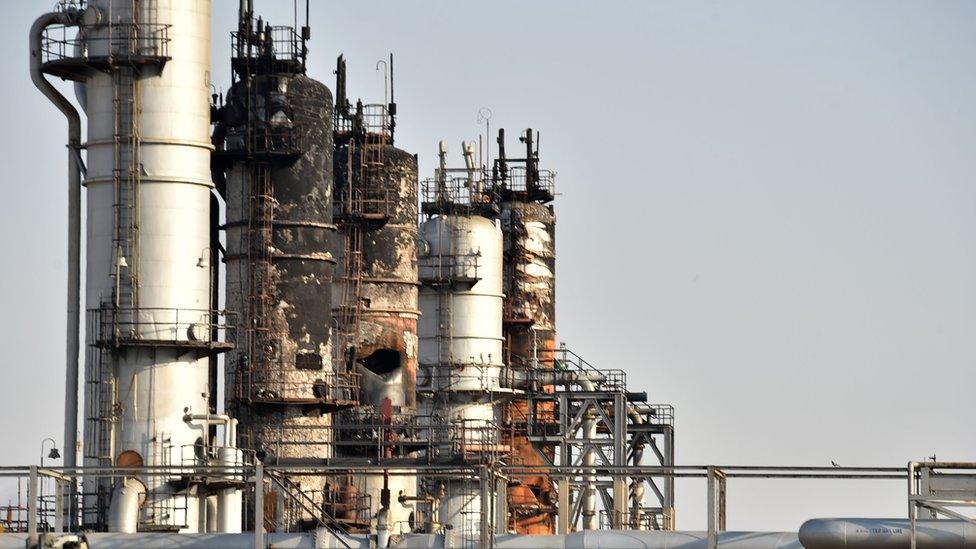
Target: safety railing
280,42
465,194
604,379
363,203
263,140
288,386
114,327
542,187
106,44
42,488
442,268
367,119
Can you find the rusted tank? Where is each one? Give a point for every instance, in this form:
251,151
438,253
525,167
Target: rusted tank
530,283
375,302
529,226
385,341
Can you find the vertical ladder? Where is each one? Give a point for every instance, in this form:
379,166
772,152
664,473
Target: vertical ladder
257,241
125,179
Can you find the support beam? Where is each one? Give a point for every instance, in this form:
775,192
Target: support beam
32,500
716,505
564,510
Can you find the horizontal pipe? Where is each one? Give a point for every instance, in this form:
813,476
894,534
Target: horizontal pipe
230,425
624,539
617,539
864,533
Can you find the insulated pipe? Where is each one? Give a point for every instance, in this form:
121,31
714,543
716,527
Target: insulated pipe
229,511
68,17
861,533
622,539
226,516
127,498
617,539
589,458
230,425
147,540
637,485
383,527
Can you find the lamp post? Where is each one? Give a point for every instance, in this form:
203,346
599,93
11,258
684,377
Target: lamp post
53,454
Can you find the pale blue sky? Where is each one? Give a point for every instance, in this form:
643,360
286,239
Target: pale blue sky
767,217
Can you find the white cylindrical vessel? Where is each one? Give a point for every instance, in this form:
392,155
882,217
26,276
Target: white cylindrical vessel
461,351
461,321
148,241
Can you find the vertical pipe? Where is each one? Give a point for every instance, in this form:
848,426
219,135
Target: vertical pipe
214,299
74,240
589,459
258,505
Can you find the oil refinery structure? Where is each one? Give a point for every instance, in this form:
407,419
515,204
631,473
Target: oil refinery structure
292,340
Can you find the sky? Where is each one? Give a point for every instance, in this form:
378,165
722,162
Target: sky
765,214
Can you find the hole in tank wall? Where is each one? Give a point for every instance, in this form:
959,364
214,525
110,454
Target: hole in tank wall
382,361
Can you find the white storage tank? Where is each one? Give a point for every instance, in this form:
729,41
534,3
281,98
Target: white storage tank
461,352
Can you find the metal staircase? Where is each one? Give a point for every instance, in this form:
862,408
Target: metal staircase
590,420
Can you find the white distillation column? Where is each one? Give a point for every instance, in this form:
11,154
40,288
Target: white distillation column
461,347
148,247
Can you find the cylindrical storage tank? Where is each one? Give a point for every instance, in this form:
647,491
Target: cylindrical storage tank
530,331
460,351
386,342
279,378
148,268
461,320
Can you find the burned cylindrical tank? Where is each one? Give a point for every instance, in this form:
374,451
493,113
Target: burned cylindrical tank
529,227
278,137
376,304
530,282
530,331
385,340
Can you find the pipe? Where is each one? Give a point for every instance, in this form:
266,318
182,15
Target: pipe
862,533
618,539
589,459
211,506
622,539
227,516
383,527
230,425
127,498
637,485
147,540
67,17
229,511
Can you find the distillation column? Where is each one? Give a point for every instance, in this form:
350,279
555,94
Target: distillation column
529,227
274,138
148,248
461,351
378,277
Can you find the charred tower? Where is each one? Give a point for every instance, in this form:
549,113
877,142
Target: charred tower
376,296
274,166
